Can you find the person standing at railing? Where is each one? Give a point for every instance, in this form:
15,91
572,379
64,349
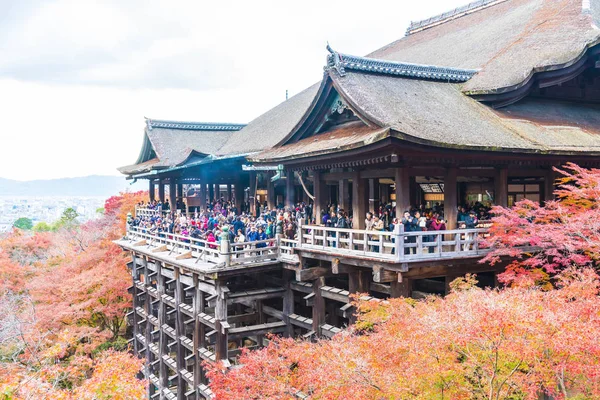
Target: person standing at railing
377,226
410,225
470,223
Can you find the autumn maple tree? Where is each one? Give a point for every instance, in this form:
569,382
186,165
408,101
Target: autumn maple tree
63,302
539,240
515,343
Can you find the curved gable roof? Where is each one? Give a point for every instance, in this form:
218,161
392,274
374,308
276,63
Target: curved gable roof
506,41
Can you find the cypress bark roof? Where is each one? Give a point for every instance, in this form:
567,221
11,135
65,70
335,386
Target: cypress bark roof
507,41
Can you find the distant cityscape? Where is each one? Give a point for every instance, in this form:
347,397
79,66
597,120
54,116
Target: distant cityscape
46,209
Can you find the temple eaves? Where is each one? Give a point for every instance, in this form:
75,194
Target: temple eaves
342,62
192,126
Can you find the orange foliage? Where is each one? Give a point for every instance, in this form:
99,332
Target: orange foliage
63,294
473,344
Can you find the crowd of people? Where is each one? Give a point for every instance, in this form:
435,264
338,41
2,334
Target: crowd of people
265,223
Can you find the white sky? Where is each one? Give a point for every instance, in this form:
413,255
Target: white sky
78,76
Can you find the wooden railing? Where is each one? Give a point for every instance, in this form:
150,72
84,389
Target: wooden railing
222,252
396,247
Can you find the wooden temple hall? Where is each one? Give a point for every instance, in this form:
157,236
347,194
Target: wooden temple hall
477,104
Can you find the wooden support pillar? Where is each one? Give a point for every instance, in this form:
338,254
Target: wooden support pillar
385,193
180,192
318,309
549,179
173,194
252,193
229,192
149,327
221,325
450,198
374,195
401,287
151,190
199,331
288,302
179,332
501,187
359,280
290,195
344,194
240,188
414,192
217,191
135,277
203,196
163,370
161,191
320,188
402,183
360,195
271,200
211,193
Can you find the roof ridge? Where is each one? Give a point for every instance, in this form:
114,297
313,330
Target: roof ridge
342,62
193,126
458,12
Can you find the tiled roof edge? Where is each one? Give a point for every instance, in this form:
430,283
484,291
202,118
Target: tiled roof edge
343,62
192,126
450,15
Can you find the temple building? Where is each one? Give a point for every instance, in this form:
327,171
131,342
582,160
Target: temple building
474,105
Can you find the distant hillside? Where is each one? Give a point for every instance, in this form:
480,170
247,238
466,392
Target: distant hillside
93,185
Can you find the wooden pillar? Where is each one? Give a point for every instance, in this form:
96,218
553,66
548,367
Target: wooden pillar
288,302
385,193
402,287
163,339
318,309
240,187
320,188
229,192
161,191
149,327
211,193
179,332
203,196
290,195
501,187
151,190
549,179
252,195
134,292
374,195
360,194
173,194
217,191
221,346
271,200
199,331
402,183
358,280
344,194
450,198
180,192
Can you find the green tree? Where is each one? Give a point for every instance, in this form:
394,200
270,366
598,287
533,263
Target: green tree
42,227
68,218
100,210
23,223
